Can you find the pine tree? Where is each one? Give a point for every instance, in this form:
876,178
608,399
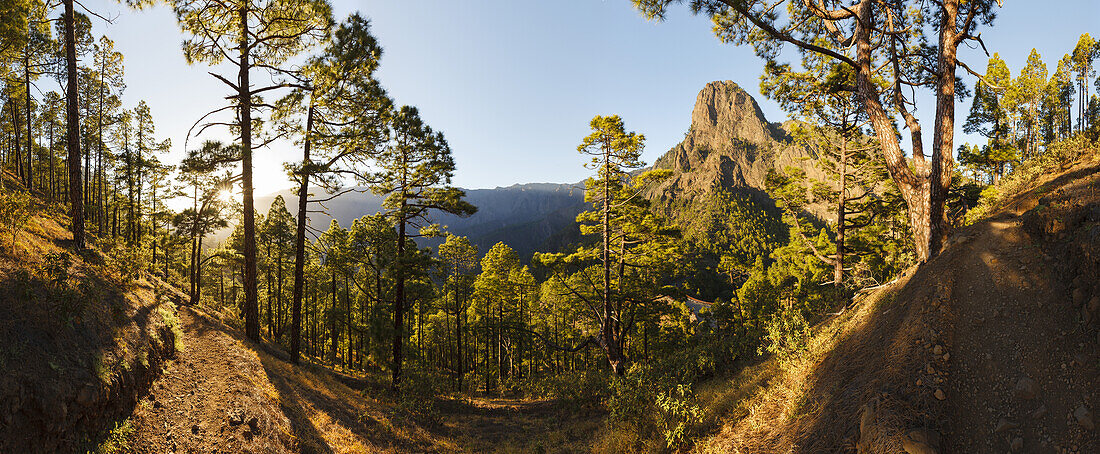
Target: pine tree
458,260
250,35
891,48
344,124
1082,57
415,170
991,116
636,245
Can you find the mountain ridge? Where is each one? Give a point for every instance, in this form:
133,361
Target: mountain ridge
730,146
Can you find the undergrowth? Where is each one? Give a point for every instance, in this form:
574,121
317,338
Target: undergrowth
119,439
1056,158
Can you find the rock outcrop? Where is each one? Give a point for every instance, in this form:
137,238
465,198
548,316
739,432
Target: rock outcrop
730,146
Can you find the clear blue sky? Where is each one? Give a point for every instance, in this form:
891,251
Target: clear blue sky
513,83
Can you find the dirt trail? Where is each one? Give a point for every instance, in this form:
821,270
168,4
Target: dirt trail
1022,361
1014,325
221,395
215,397
933,362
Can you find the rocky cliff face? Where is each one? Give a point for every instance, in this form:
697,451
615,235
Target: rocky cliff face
729,146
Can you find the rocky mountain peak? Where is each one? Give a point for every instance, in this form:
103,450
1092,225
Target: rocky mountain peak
724,109
730,146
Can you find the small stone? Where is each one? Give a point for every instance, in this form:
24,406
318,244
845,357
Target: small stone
236,418
195,429
940,395
1084,417
916,447
930,370
1004,424
1017,444
920,382
86,396
921,441
1080,358
1039,412
937,350
1025,389
947,356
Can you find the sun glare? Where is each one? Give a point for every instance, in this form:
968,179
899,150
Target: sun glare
229,196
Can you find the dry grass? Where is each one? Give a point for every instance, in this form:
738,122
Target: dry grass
809,404
329,416
69,331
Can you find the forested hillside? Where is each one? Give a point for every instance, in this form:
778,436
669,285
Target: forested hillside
854,278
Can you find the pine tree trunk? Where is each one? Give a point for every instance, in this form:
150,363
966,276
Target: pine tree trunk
76,196
30,121
244,99
838,265
399,300
300,246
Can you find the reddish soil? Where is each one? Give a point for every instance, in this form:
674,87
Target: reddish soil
215,397
208,396
933,362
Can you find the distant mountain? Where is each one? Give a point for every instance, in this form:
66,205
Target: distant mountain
529,217
729,146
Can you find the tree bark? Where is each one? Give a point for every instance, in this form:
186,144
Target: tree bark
76,196
944,141
244,99
399,300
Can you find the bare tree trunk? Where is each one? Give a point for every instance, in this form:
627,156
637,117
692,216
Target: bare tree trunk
76,197
838,264
944,140
399,300
30,120
300,246
244,99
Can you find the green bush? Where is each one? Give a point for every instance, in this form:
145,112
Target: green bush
787,335
1057,157
679,416
417,397
15,212
128,261
55,267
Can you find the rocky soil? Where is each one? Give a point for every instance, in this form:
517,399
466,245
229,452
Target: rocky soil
215,397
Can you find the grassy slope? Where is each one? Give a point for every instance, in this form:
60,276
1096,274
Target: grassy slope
76,352
871,377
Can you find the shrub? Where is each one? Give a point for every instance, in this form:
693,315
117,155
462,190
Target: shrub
418,393
788,334
15,212
1058,156
55,267
679,415
128,261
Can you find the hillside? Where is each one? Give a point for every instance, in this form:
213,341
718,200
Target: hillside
990,347
82,334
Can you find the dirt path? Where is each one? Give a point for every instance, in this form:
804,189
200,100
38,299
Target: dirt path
1022,361
221,395
214,397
